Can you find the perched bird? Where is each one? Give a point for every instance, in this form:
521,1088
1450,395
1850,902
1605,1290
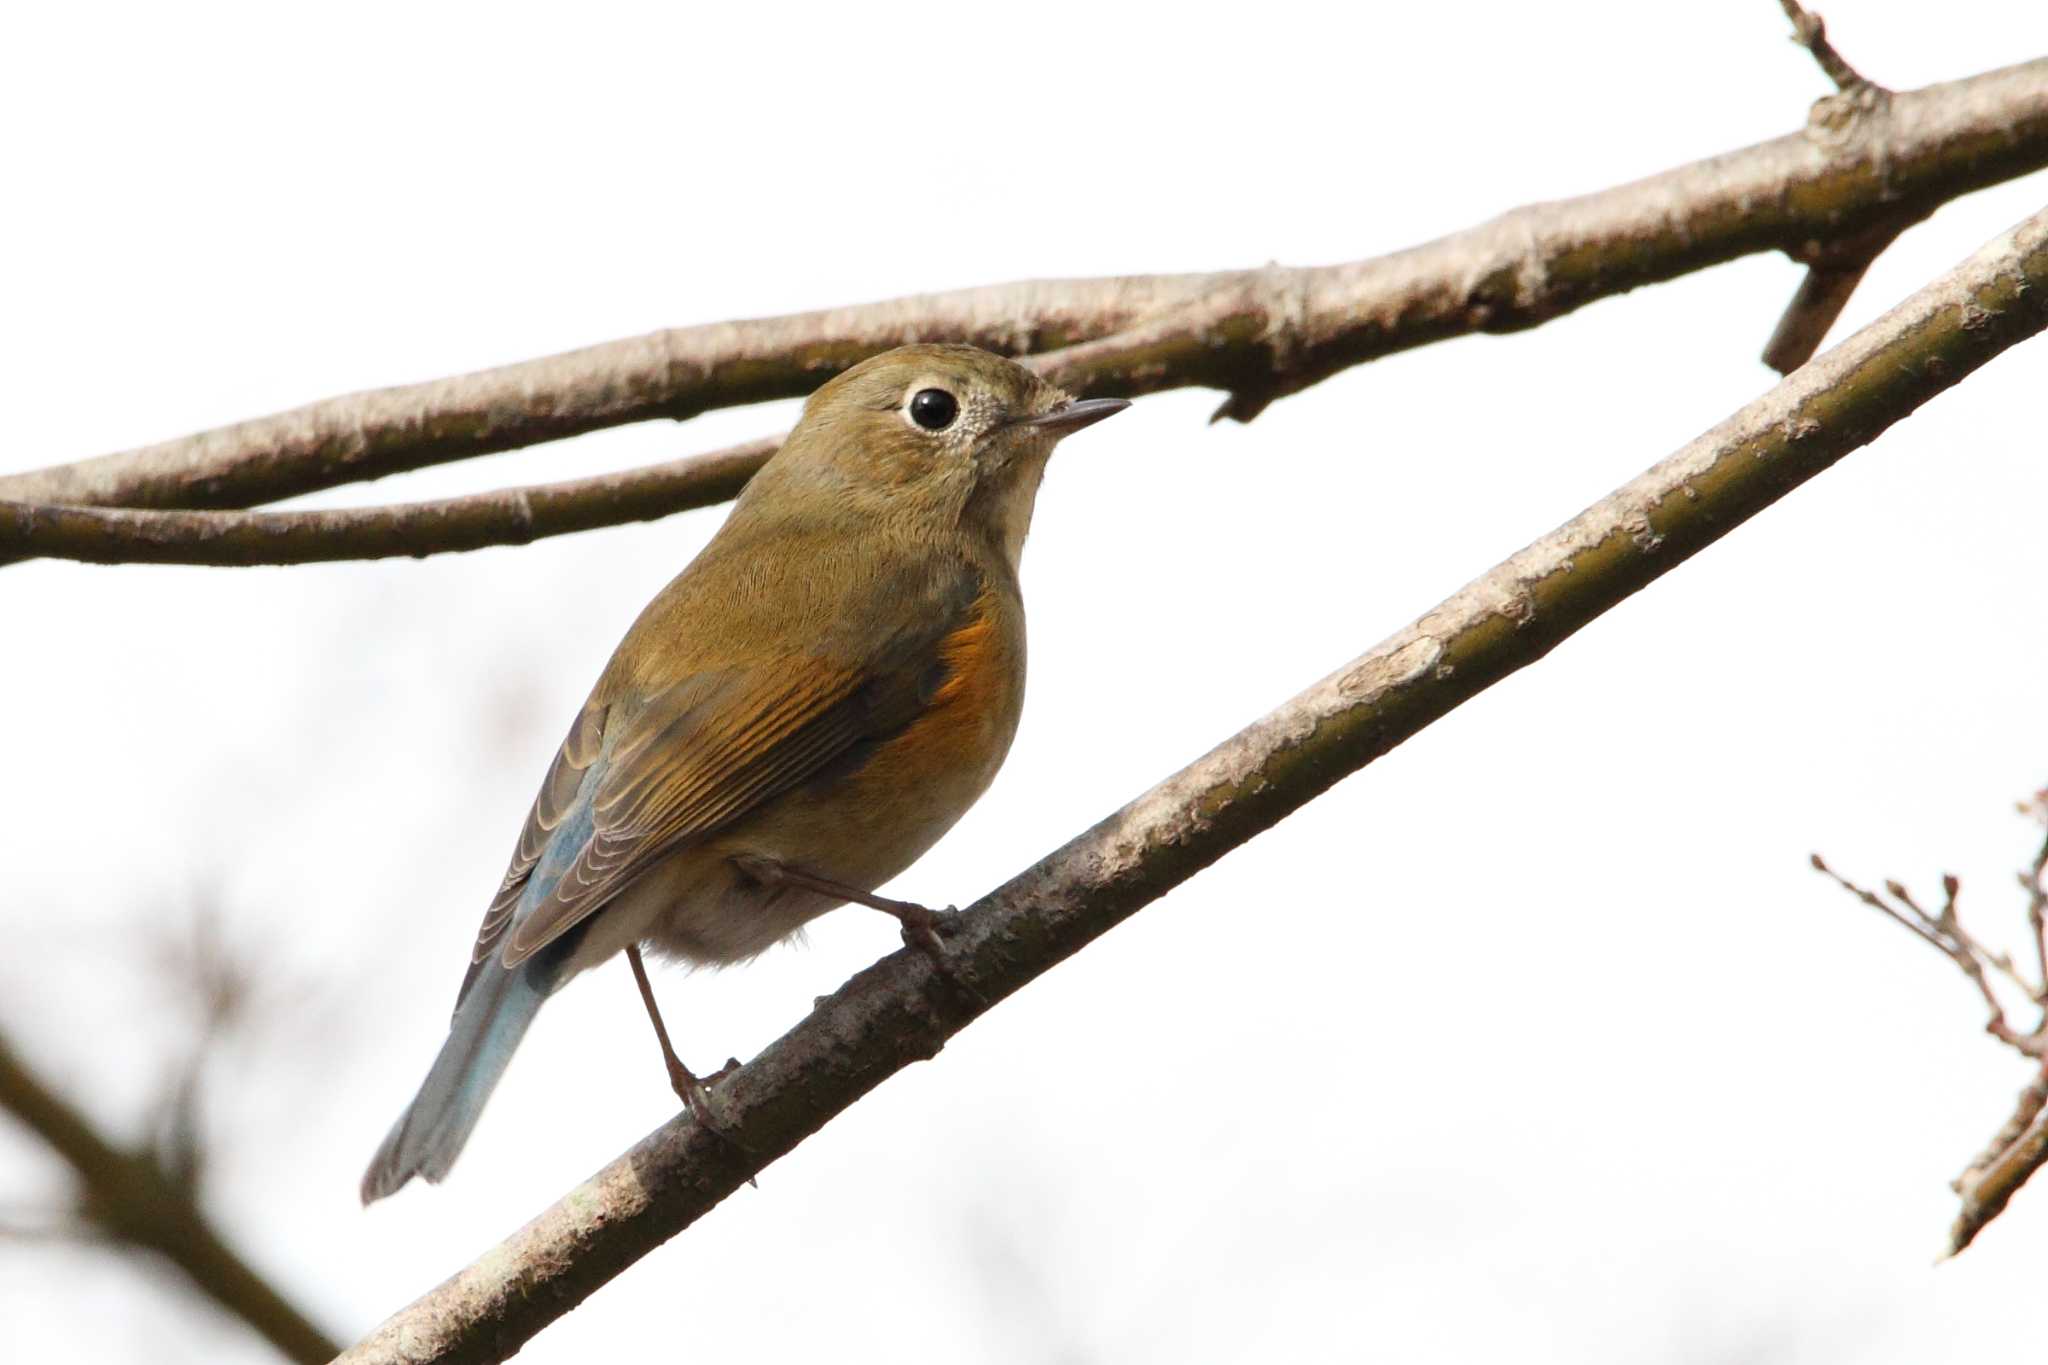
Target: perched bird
794,720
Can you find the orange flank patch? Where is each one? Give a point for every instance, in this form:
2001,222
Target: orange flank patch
964,729
969,654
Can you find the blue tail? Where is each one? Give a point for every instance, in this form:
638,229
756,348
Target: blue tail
492,1017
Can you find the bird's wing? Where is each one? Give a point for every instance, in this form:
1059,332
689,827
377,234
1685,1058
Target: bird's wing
627,789
552,805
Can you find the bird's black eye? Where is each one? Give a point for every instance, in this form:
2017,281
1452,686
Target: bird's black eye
933,409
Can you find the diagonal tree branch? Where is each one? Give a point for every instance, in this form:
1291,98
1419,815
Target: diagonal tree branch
902,1010
2015,1153
1257,334
134,1197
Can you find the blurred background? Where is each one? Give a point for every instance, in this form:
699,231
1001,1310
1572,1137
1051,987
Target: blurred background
1543,1037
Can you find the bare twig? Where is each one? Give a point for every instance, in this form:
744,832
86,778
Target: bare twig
136,1198
1810,33
1257,334
903,1009
1945,933
46,1225
1913,922
2034,881
2020,1147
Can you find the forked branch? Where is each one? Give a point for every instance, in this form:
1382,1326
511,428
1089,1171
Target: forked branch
2020,1146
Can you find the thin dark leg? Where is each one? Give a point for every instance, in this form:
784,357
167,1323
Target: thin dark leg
688,1088
920,923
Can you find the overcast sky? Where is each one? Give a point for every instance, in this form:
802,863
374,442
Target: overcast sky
1537,1040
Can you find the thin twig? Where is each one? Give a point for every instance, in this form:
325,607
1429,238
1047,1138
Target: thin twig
2035,881
1257,334
46,1225
2020,1147
1945,933
1914,923
2001,962
133,1198
904,1008
1810,33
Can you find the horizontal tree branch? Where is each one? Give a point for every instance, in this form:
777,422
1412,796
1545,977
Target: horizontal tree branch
1257,334
903,1010
509,516
130,1196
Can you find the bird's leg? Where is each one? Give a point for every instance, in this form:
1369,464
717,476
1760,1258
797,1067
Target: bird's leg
921,924
688,1088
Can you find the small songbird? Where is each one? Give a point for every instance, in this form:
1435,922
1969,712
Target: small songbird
793,721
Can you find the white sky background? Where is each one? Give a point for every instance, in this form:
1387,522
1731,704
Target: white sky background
1537,1040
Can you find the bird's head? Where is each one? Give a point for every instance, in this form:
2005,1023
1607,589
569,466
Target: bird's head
934,436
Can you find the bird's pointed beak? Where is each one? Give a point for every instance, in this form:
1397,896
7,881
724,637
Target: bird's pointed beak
1071,417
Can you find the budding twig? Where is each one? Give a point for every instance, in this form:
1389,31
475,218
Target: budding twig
2020,1147
1810,33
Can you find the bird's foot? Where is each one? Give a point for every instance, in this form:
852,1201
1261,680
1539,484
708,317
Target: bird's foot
696,1097
694,1094
924,929
927,930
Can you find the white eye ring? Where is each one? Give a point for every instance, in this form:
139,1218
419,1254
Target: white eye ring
931,409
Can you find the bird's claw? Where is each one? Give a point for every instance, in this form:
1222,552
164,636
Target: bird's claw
927,931
696,1097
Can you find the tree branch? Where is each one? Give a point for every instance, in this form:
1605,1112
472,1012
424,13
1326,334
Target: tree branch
2020,1146
1835,267
509,516
134,1198
2008,1161
902,1009
1257,334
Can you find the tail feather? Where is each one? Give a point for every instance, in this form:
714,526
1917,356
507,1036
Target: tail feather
497,1006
